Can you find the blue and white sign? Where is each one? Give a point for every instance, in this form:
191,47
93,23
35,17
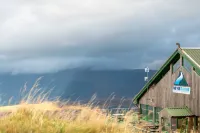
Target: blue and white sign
181,89
181,85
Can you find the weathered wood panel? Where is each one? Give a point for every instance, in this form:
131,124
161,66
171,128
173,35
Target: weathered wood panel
161,95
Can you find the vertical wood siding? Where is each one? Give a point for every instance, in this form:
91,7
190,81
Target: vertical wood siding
161,94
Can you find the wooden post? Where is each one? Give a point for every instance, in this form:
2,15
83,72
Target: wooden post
181,60
147,111
195,123
154,115
171,69
190,124
140,113
140,106
187,125
198,124
170,124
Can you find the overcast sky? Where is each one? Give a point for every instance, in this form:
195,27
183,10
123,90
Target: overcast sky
39,36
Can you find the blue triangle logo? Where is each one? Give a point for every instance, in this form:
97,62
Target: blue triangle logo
180,81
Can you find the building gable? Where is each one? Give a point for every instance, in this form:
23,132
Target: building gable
187,54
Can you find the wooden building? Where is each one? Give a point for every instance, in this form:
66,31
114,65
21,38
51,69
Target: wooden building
172,95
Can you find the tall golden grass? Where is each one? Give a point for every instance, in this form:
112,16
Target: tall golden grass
35,114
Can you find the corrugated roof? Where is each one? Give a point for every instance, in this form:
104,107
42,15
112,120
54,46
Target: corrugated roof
191,54
179,112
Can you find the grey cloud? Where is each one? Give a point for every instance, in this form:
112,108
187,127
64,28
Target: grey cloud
102,34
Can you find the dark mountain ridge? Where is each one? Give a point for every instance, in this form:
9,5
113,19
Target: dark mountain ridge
77,84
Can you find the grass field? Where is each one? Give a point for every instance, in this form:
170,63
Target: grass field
49,118
35,114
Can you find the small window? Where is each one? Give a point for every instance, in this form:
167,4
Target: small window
187,65
176,66
143,110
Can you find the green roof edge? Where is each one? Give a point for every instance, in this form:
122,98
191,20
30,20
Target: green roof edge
197,69
178,51
185,107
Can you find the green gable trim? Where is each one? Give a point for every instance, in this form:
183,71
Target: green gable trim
166,67
179,112
158,73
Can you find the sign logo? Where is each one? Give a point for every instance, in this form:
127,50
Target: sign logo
181,85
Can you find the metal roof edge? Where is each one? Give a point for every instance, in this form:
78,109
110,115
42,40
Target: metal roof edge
191,58
190,47
192,62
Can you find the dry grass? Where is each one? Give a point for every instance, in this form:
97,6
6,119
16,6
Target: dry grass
35,115
31,118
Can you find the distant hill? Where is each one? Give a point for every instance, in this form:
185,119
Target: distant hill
77,84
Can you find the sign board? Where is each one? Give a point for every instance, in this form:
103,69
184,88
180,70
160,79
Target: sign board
181,89
146,69
146,78
181,85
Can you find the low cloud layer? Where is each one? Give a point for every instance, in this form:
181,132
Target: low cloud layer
46,36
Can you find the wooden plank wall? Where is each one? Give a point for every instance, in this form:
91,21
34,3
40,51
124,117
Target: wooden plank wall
161,94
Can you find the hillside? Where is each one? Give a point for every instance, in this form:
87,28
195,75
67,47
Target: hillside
77,84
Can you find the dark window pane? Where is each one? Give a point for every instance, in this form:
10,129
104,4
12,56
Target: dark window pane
176,66
187,65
